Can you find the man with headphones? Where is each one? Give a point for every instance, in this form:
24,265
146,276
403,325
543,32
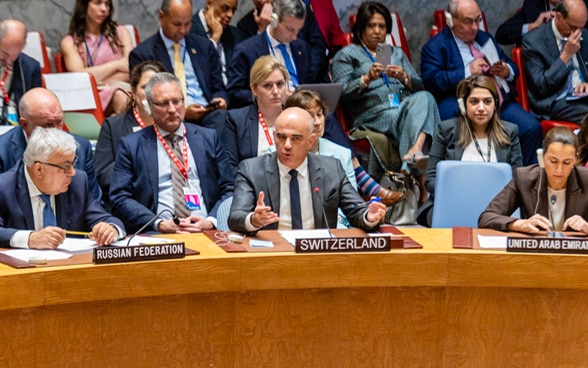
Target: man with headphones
556,57
461,49
281,40
18,72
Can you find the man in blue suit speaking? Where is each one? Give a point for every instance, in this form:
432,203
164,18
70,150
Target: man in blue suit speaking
174,167
45,195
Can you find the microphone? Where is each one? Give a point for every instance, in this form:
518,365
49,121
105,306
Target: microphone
316,191
174,218
552,201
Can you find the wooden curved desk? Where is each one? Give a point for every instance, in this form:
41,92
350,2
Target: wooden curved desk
434,307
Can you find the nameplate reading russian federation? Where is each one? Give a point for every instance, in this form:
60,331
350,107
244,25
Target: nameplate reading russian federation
547,245
339,245
139,253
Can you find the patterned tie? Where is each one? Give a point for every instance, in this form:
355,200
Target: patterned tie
48,215
179,70
479,55
178,180
295,200
289,64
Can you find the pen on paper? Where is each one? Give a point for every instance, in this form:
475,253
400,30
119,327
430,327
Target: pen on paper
77,234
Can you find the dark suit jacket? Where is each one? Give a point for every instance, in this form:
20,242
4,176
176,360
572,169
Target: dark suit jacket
445,147
204,60
250,50
134,188
231,36
113,129
261,174
75,209
442,69
310,32
26,74
13,145
241,134
522,192
510,31
546,73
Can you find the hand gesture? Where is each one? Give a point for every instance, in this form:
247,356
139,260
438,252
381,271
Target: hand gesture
376,211
479,67
500,69
264,17
48,238
576,223
263,215
104,234
534,224
213,23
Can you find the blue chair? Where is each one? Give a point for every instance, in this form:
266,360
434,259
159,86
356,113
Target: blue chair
222,214
464,189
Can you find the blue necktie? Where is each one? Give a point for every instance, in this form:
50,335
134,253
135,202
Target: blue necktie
295,200
48,215
289,64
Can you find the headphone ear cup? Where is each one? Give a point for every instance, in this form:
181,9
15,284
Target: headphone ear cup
274,21
461,105
448,19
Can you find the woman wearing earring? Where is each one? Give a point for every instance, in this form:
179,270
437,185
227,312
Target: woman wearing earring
477,135
98,45
116,127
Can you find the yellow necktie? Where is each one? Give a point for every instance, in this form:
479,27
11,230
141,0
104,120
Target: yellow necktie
179,68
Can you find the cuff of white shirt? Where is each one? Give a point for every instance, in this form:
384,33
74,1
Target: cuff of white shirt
20,239
248,225
156,224
525,29
121,232
212,219
369,224
511,75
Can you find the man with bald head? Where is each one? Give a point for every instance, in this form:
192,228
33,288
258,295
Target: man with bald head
461,49
18,72
39,107
555,58
191,58
289,188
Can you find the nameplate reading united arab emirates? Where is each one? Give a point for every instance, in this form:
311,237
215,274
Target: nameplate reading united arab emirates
547,245
347,244
139,253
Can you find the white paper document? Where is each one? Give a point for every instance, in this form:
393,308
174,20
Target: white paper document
494,242
142,240
26,254
292,235
77,245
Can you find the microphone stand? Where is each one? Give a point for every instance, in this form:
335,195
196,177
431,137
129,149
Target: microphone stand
174,218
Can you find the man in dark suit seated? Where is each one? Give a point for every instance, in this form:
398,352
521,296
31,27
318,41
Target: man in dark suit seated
461,49
19,71
279,39
192,58
289,188
174,167
45,196
213,22
555,58
39,107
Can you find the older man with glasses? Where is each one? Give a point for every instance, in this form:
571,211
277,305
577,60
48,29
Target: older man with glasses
555,58
45,196
174,169
461,49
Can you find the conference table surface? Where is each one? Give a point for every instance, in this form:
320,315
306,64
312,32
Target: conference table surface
473,308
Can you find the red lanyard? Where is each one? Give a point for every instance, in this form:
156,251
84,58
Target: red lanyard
172,155
138,118
264,126
3,82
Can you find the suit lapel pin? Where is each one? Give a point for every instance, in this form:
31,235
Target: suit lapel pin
299,53
193,51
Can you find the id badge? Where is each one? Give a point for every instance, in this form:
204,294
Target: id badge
12,115
192,200
394,100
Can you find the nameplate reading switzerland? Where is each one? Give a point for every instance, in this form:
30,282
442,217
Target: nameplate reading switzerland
547,245
340,245
103,255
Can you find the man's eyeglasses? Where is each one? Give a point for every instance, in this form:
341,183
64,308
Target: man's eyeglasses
177,102
66,168
469,21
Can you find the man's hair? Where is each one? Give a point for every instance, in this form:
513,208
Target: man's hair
562,8
24,105
289,8
160,78
44,142
166,4
561,135
7,26
452,7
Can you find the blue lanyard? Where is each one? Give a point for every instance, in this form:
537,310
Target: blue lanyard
294,75
369,54
89,56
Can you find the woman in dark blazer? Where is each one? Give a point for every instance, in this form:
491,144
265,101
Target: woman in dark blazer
477,135
116,127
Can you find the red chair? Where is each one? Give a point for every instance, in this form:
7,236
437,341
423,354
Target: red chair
440,22
523,97
36,48
361,146
59,63
397,35
135,39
